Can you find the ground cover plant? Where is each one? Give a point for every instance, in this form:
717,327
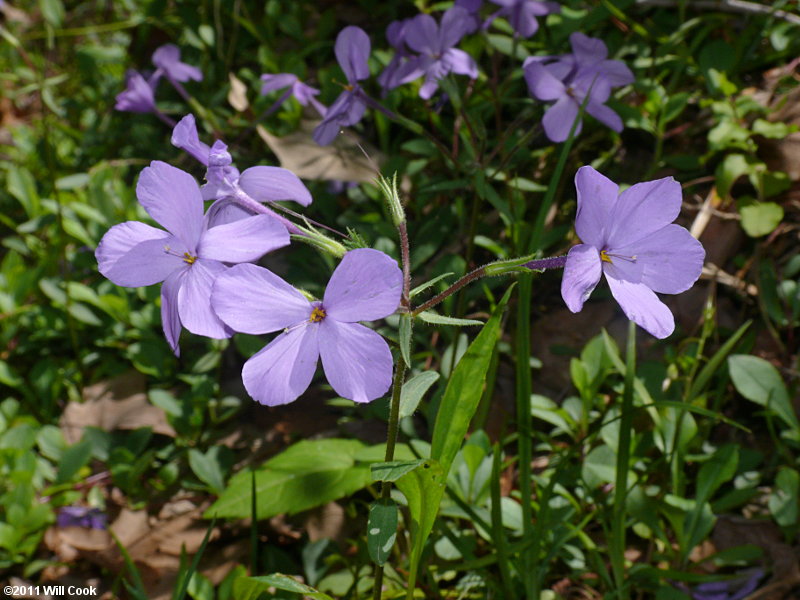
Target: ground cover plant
543,254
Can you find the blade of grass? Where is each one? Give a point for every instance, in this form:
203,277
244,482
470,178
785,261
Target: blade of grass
184,578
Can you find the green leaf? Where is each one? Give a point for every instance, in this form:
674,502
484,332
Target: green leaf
427,284
776,131
431,317
720,468
423,488
760,382
251,588
394,470
702,379
405,337
785,498
306,475
464,391
52,11
208,469
381,529
413,391
8,376
729,170
760,218
599,466
72,460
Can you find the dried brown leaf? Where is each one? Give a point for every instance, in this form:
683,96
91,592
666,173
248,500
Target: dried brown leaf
343,160
119,403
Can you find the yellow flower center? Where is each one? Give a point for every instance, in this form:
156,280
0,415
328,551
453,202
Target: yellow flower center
317,314
604,256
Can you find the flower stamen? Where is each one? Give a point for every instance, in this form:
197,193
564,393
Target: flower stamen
606,257
187,258
317,314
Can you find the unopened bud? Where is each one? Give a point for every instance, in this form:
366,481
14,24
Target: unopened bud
389,189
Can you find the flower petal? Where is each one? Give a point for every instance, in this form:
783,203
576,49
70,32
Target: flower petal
542,84
352,51
671,259
147,263
456,21
365,286
172,197
168,58
357,361
422,35
251,299
138,96
184,136
243,240
170,320
460,62
605,115
194,300
581,275
269,184
643,209
558,119
597,196
641,305
586,49
276,81
121,238
283,370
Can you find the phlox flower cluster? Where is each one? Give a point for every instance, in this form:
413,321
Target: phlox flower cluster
197,250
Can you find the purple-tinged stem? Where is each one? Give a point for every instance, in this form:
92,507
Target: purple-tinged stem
244,200
405,259
164,118
468,278
556,262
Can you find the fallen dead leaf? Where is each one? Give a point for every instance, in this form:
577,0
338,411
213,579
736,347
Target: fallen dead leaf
343,160
119,403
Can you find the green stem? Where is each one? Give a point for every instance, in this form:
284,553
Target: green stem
617,542
391,442
497,525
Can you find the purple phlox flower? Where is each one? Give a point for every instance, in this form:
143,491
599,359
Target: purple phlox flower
223,180
434,43
521,14
590,55
304,94
139,94
631,239
357,362
187,256
571,78
81,516
737,588
352,50
168,60
396,36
